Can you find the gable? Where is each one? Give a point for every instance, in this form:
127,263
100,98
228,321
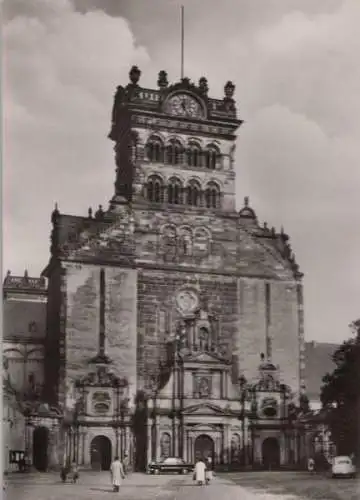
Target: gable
263,253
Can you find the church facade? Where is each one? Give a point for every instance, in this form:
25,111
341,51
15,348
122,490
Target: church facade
174,322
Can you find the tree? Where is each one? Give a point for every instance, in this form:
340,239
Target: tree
340,395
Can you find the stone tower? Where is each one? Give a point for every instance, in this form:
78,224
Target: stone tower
171,289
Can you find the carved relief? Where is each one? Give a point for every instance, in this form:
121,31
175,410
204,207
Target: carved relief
269,407
187,301
101,402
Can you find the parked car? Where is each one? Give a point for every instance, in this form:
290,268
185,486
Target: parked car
170,464
343,466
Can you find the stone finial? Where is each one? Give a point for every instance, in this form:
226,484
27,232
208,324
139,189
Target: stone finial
273,231
90,213
246,201
99,213
162,79
8,273
229,90
134,75
203,85
265,226
262,357
55,213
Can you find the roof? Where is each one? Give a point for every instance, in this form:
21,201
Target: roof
24,319
24,285
318,359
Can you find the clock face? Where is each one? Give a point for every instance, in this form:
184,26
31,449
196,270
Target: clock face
184,105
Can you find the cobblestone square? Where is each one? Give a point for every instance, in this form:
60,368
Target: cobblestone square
135,487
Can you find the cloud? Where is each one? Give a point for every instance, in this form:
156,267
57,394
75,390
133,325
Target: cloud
61,70
295,65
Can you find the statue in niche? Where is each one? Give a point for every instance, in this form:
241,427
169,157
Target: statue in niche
204,339
204,387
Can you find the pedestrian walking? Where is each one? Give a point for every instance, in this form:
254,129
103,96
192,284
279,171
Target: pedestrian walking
311,465
117,473
199,472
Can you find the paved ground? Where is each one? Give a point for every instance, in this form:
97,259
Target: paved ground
135,487
299,484
237,486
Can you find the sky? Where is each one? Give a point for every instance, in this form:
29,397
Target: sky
295,66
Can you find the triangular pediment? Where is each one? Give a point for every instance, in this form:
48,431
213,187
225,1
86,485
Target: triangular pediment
205,409
204,357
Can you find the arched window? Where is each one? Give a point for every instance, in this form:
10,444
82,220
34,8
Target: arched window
211,157
212,196
174,153
165,445
193,194
193,155
174,192
155,149
155,189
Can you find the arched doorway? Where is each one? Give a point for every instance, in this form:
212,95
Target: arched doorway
271,453
40,448
100,453
204,447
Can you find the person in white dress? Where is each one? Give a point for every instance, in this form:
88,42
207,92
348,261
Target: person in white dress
200,469
117,473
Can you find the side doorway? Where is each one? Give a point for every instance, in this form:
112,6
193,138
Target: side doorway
40,448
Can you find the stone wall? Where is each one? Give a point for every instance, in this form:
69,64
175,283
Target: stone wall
284,333
158,289
120,322
83,320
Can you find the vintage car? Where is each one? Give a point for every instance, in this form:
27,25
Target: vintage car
170,465
343,466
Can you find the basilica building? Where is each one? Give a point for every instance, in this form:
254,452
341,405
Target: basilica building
168,323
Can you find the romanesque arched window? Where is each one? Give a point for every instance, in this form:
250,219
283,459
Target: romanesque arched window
174,192
155,149
193,194
211,154
193,155
212,195
155,189
174,152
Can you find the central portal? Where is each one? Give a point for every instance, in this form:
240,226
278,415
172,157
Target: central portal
271,453
100,451
204,448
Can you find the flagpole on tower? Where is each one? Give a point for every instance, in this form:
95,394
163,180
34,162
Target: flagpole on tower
182,42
